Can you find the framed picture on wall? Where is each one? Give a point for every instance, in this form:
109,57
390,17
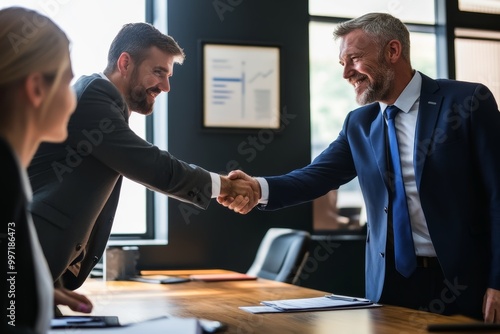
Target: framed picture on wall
241,85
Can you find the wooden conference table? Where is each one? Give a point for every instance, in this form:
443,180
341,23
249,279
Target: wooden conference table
134,301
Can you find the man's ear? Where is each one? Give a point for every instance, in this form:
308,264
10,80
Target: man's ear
124,64
35,88
394,50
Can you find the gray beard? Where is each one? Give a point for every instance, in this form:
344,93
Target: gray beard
379,90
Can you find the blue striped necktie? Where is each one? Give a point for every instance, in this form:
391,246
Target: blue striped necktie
404,249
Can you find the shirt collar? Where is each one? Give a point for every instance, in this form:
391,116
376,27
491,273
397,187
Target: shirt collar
409,95
104,76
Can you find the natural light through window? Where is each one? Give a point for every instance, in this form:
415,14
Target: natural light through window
91,25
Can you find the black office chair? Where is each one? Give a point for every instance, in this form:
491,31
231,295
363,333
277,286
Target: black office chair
281,255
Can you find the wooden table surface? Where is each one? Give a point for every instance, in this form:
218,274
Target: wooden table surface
134,301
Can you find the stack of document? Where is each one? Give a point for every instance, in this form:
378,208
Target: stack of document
328,302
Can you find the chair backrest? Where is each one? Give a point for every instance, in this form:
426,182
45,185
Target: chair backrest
281,255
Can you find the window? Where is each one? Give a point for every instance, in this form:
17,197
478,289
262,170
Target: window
332,97
407,10
476,57
480,6
83,21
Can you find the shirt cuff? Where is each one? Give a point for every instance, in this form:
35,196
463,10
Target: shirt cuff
264,190
216,183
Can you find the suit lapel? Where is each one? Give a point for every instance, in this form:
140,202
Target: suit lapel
428,112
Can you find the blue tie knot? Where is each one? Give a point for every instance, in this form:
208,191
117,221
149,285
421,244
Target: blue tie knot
391,112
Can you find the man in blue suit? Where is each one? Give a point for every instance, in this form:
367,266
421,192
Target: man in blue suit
449,148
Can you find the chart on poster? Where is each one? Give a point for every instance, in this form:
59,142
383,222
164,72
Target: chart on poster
241,86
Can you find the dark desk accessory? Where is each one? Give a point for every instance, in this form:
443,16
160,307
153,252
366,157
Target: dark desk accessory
84,322
212,326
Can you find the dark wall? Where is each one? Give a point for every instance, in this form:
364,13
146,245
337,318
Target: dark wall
217,237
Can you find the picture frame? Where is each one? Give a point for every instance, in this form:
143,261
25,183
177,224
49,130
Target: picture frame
240,85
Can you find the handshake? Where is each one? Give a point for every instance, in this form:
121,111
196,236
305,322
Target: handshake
239,192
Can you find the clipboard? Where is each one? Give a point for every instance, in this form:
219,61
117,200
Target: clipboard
325,303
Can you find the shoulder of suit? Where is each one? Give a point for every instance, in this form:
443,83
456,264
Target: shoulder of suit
450,83
95,87
88,82
370,110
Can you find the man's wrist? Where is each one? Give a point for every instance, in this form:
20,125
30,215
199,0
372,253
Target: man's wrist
264,190
216,184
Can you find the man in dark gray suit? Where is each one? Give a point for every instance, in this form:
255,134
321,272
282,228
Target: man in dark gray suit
76,184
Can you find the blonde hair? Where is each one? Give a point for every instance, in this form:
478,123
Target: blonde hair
30,42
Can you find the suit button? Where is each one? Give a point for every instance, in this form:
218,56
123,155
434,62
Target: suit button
386,209
78,247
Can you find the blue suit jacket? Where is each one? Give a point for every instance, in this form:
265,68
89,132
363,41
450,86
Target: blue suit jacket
457,168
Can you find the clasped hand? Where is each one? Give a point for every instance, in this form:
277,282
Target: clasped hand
239,192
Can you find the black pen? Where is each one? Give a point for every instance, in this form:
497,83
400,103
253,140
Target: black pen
346,298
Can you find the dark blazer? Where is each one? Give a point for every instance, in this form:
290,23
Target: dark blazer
15,241
457,168
76,184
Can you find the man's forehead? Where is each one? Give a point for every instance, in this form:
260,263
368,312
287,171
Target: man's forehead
157,57
356,40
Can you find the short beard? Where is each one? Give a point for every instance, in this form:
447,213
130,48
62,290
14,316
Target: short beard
137,97
380,88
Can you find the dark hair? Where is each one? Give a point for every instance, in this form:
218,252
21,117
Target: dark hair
136,39
381,27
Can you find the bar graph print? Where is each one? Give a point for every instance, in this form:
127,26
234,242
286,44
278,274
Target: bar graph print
241,86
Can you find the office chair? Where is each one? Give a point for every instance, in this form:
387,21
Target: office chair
281,255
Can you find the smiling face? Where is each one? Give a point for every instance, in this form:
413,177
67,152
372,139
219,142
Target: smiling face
365,67
148,79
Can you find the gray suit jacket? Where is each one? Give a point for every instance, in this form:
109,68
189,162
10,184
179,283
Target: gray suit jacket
76,184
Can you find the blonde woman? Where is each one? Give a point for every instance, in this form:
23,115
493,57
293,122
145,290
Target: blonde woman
36,102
